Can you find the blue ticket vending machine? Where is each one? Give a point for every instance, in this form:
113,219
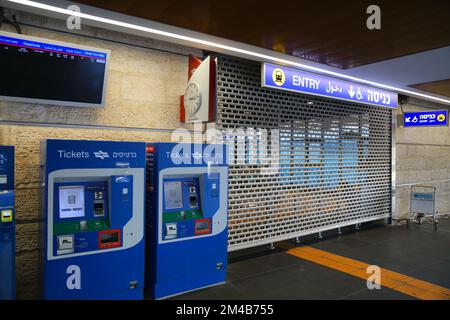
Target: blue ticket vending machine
7,225
187,202
94,242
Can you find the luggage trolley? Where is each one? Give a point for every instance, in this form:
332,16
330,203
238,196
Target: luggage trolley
423,205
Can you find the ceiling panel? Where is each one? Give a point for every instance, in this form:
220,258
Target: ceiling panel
441,87
330,32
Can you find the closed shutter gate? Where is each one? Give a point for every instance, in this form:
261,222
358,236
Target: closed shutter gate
334,163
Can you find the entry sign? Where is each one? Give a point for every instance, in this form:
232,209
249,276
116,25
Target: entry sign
425,119
289,79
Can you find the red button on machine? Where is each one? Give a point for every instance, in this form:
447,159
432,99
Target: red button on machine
109,239
202,226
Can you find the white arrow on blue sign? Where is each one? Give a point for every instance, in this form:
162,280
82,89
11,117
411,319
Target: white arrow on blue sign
425,118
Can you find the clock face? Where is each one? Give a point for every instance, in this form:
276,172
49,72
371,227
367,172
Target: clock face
192,99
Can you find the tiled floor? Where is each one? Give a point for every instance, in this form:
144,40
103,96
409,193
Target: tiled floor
260,273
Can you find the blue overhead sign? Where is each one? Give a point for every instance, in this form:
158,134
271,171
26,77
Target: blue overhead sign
425,119
274,76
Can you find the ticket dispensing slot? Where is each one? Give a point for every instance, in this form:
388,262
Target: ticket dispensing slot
65,244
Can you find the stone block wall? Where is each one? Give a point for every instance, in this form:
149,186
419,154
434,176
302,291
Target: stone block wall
423,157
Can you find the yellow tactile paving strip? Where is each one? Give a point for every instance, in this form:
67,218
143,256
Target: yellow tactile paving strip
396,281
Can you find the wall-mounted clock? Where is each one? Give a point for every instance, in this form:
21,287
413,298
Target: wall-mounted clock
192,99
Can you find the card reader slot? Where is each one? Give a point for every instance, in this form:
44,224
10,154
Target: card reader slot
193,198
193,203
99,208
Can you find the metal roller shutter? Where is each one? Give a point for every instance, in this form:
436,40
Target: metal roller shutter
334,164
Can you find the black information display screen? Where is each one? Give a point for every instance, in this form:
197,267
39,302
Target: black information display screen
51,73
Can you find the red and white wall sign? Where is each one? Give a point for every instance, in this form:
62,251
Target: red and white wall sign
199,101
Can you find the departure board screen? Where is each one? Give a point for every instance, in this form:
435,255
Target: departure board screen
41,72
